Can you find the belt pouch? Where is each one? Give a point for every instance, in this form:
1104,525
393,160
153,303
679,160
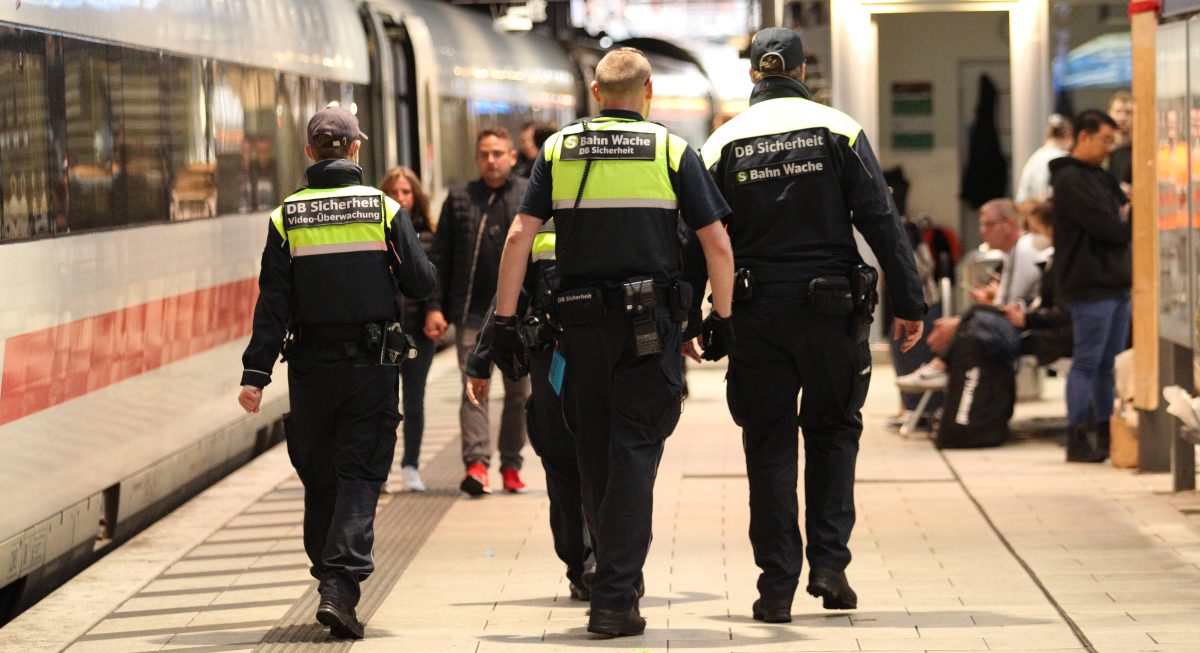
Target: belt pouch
831,295
579,306
679,298
640,301
743,285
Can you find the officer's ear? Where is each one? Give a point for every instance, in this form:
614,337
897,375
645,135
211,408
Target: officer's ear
596,92
803,70
352,151
308,151
751,71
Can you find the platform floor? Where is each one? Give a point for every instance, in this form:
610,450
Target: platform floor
1007,549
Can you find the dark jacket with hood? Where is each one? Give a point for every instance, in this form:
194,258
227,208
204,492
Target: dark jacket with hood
1092,259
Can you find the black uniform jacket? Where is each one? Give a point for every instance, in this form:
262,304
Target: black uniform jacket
797,175
275,310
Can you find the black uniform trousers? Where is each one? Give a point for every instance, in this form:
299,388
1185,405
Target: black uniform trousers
554,444
341,433
621,407
783,346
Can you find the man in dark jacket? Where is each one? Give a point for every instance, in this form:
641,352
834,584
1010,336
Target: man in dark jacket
1093,270
466,251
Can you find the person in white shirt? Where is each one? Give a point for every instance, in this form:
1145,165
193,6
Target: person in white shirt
1035,175
1000,226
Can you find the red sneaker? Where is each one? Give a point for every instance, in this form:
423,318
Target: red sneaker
475,483
512,481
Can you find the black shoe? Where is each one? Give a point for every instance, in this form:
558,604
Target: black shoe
616,623
1083,445
772,612
580,593
833,588
342,621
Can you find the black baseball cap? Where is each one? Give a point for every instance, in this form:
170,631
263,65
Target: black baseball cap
779,41
333,127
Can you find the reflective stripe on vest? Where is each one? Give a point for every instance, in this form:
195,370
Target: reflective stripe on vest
778,116
614,183
315,222
543,242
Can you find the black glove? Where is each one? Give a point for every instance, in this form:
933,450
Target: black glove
507,351
716,337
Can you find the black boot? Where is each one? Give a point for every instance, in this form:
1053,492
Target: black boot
1103,439
1082,445
833,588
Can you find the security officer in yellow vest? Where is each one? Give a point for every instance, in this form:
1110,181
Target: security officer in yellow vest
615,186
799,175
337,253
548,433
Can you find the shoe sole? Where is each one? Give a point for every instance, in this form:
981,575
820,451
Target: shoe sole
473,487
773,618
336,627
612,630
830,600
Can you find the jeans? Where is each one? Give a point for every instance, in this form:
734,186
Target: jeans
413,375
1101,331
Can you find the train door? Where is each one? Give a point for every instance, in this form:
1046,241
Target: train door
405,88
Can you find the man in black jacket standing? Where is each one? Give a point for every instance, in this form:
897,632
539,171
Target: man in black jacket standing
466,251
1093,269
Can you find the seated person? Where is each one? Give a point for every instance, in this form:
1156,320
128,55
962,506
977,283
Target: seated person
1000,226
1046,330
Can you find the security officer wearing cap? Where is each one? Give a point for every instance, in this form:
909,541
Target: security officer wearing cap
615,186
337,253
798,176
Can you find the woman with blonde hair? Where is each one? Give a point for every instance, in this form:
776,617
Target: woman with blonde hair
401,184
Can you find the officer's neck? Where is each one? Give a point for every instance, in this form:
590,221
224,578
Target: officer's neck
332,173
778,86
617,111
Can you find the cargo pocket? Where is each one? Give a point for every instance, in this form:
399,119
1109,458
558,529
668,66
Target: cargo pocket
861,381
733,391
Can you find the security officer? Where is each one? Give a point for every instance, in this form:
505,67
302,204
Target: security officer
798,175
615,185
336,254
548,433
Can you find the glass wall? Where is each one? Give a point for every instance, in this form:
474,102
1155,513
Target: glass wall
1172,154
1091,53
96,136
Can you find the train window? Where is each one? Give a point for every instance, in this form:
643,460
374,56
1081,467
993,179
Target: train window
244,126
360,103
290,140
91,77
25,153
141,161
458,142
192,170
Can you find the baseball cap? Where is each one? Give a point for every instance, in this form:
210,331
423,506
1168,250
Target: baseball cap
780,41
333,127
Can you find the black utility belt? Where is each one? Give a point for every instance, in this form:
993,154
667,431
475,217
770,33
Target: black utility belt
854,295
385,339
639,298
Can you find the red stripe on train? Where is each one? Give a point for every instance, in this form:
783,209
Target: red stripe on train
47,367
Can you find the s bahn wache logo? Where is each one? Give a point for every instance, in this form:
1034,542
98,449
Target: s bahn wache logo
742,177
571,142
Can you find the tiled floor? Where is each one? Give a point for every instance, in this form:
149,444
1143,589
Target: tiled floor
1002,549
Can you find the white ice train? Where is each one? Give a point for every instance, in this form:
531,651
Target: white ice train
141,145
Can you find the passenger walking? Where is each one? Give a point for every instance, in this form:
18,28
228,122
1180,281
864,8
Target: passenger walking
403,185
615,186
336,253
466,251
1094,272
798,176
548,433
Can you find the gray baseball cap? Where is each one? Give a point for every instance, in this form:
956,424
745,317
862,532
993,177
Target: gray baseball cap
333,127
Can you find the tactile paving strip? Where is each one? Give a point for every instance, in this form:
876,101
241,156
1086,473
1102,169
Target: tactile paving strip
401,528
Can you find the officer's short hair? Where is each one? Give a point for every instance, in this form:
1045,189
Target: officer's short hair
497,131
623,73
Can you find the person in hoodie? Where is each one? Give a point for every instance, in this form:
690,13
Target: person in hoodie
1093,271
337,252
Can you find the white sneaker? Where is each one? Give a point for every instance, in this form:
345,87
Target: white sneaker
412,479
925,377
